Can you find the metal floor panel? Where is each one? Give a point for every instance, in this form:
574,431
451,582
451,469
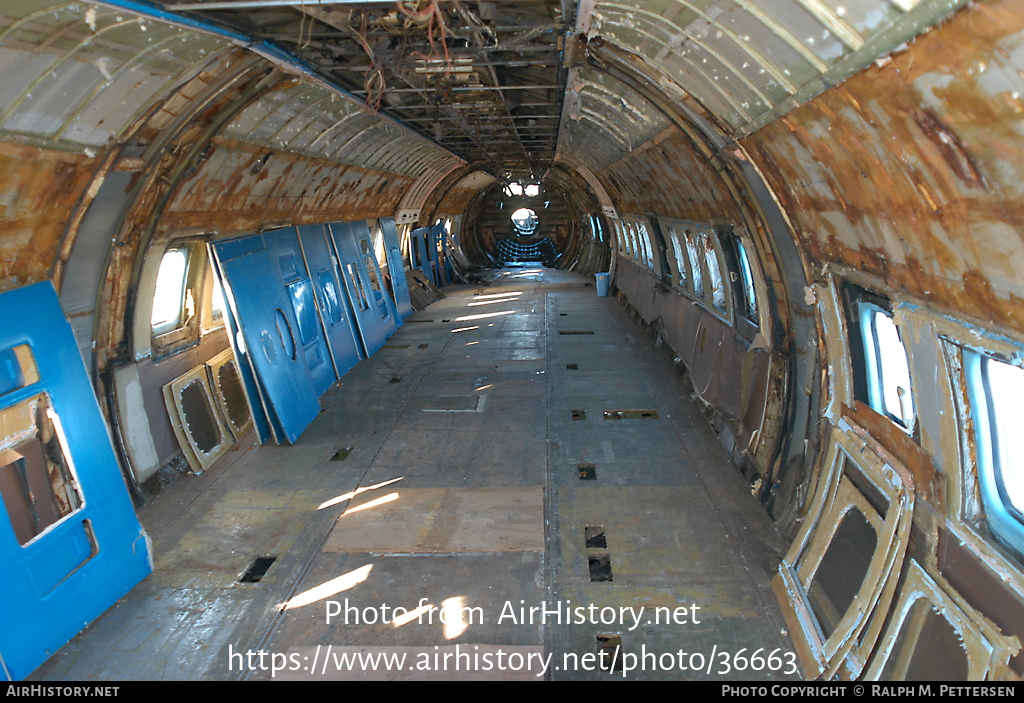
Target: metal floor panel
683,532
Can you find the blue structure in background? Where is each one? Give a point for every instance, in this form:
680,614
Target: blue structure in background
70,542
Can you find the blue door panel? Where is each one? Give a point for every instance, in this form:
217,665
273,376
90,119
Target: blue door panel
260,418
234,248
382,300
84,547
335,310
396,267
284,243
357,284
422,242
271,338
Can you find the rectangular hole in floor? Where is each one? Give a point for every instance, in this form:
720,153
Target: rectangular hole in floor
342,454
588,472
395,379
396,346
563,314
257,570
630,414
600,568
588,332
571,367
609,650
579,414
445,320
595,537
424,346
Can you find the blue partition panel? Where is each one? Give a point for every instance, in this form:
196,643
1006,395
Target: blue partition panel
298,288
70,543
396,268
385,305
250,385
357,283
421,242
335,308
271,336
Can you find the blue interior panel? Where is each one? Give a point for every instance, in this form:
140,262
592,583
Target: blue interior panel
70,543
260,418
271,337
396,267
422,242
357,284
381,299
335,308
284,243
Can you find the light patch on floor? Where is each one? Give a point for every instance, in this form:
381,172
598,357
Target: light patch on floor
444,521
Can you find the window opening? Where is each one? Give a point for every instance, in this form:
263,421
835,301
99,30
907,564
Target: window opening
747,276
645,240
37,483
169,298
693,252
997,403
217,303
714,272
677,252
888,371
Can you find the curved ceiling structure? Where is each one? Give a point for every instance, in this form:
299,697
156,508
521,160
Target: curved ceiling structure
825,155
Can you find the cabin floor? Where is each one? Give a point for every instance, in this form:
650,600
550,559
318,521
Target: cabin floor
472,434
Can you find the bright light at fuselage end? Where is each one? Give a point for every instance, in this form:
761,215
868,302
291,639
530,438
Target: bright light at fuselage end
352,494
498,295
372,504
451,616
483,316
329,588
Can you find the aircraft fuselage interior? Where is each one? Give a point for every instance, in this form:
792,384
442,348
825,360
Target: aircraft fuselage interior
512,340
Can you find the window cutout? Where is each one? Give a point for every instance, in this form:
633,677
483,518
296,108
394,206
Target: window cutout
881,376
842,570
888,371
749,294
677,251
714,272
693,252
357,283
217,304
37,483
169,296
